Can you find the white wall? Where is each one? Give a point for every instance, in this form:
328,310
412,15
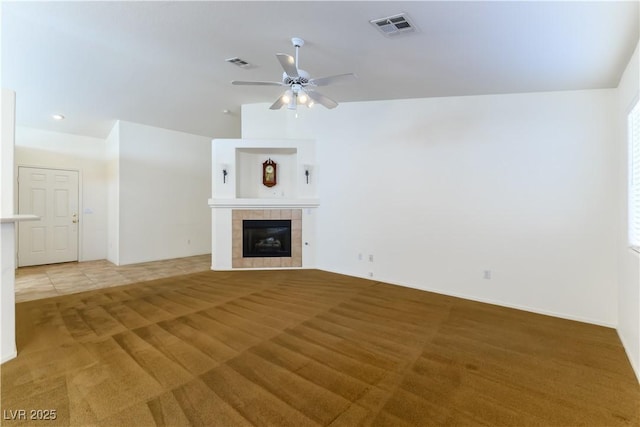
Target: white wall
164,183
113,194
439,190
55,150
7,150
629,293
7,292
7,230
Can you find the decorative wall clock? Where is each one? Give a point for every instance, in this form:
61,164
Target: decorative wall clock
269,173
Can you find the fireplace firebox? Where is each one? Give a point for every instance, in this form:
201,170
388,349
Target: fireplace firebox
266,238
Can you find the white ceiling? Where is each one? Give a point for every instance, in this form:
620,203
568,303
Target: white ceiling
163,63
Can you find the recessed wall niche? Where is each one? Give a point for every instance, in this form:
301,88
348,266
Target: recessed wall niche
249,173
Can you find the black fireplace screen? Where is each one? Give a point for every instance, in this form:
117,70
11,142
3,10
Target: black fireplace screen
266,238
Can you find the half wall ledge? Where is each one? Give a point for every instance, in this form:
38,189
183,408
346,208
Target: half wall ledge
18,218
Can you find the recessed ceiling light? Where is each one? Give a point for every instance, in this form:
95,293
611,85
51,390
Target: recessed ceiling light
57,117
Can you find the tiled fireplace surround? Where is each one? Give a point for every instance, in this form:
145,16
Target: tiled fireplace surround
238,215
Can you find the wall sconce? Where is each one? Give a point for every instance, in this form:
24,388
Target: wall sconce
225,172
307,172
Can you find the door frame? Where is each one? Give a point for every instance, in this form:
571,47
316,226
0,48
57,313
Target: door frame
16,195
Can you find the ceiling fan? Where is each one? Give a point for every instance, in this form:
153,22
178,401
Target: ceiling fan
301,88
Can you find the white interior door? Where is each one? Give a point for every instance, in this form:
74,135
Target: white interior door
52,194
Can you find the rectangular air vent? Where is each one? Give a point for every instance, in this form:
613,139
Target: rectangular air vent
239,62
394,25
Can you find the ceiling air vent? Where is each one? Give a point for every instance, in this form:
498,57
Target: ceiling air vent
239,62
394,25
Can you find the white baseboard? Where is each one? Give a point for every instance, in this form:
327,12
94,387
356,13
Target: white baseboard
7,357
488,301
632,361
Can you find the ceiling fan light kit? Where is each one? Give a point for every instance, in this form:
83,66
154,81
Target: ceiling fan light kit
301,87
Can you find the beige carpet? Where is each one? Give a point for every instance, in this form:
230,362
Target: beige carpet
306,347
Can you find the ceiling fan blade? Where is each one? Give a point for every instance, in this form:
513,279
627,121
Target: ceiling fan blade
323,81
255,83
278,104
321,99
288,64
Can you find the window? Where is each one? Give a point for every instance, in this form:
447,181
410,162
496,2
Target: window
634,177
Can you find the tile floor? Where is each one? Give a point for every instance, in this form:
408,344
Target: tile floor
44,281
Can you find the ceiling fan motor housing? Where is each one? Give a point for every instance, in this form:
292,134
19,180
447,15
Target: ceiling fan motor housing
303,78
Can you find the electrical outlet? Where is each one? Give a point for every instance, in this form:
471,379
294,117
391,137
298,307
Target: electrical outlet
370,258
371,274
487,275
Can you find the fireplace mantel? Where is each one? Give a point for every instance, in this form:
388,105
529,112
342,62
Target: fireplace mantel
275,203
